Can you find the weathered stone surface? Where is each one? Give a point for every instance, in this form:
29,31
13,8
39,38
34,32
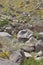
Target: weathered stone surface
31,40
27,55
24,34
20,26
5,34
28,48
17,57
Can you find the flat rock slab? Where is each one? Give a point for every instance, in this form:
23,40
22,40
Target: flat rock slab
28,48
24,34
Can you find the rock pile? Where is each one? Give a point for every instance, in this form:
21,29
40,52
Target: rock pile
29,43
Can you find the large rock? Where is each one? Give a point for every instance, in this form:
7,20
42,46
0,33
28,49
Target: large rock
39,46
28,48
3,34
32,40
17,57
5,37
8,62
24,35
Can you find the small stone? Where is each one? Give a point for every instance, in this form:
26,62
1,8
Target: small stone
27,55
5,34
39,55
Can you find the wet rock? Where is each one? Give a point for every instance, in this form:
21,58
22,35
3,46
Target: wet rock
24,35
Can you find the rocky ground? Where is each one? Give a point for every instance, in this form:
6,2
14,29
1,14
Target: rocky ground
18,42
21,31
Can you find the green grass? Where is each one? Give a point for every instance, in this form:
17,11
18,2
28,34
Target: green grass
3,22
32,62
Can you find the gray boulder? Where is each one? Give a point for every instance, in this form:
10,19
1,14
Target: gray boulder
24,35
5,34
32,40
28,48
17,57
5,37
